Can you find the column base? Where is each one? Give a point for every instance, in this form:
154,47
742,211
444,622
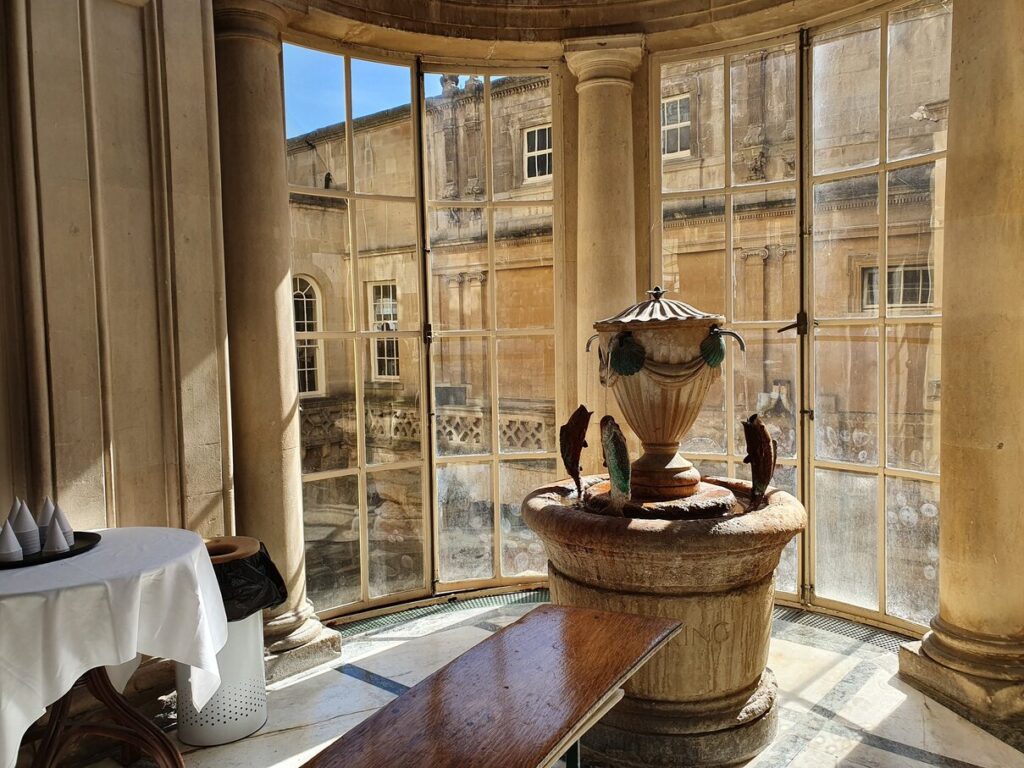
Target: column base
323,647
989,698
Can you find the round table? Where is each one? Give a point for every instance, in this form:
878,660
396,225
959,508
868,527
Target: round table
138,591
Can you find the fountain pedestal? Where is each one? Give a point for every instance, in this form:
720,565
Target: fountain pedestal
707,698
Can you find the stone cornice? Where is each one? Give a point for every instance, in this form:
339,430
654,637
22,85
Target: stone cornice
604,59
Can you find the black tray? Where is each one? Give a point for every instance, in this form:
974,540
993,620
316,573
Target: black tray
84,541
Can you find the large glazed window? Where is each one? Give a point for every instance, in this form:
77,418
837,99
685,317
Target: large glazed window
351,138
852,392
489,172
424,235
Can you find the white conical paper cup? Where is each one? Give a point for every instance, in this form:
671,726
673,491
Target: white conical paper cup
10,548
55,541
65,525
45,514
26,530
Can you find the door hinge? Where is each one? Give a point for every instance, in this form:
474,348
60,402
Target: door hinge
801,324
428,333
807,594
808,412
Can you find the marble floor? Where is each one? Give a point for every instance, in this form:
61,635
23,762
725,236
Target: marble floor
842,702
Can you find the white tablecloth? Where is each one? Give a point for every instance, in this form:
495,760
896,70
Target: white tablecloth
139,591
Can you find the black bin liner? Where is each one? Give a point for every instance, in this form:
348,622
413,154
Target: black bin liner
250,584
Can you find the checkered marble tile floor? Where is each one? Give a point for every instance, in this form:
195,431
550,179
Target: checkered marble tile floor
842,703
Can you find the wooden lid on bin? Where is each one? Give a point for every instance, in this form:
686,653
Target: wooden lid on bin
224,549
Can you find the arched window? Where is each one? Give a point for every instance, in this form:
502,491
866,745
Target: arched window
308,351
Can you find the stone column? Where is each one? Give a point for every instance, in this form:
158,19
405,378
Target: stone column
606,222
264,389
974,653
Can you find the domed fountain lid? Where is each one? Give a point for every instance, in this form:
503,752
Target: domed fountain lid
657,311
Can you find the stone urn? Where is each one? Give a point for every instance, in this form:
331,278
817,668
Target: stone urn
696,550
662,401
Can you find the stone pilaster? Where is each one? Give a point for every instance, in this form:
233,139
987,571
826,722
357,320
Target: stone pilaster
264,390
974,653
606,221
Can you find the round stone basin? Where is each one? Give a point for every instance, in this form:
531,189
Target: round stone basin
707,698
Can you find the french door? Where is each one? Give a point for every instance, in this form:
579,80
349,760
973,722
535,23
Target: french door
423,285
801,196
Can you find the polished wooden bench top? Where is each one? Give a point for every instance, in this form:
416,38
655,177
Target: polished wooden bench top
511,701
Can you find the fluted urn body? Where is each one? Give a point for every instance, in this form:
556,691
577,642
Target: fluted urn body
662,399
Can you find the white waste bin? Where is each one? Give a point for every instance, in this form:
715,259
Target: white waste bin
239,706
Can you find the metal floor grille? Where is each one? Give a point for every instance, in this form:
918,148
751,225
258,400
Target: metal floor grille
889,641
454,604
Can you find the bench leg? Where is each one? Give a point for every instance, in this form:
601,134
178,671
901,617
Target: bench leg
572,757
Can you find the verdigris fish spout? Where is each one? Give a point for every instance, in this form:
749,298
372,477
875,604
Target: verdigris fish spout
616,459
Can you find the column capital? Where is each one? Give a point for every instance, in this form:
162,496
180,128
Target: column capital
604,59
252,19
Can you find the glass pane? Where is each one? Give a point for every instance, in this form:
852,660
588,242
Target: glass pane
462,399
394,500
764,142
521,124
919,47
391,399
327,420
389,265
330,513
911,549
767,383
784,478
320,255
845,96
915,237
846,532
693,252
712,468
846,394
703,81
465,522
846,248
708,433
453,124
526,394
524,267
522,554
459,271
314,104
787,574
766,257
382,128
914,384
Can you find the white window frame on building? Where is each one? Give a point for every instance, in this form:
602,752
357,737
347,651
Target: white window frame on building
303,342
383,319
897,288
537,154
676,126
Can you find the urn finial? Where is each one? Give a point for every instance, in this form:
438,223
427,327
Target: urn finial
656,292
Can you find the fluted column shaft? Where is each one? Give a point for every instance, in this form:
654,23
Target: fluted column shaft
975,651
264,389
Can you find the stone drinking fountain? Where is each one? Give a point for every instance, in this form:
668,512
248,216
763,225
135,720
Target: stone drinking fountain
700,550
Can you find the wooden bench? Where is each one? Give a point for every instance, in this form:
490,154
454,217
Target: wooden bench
522,698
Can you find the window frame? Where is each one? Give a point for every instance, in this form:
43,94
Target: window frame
549,152
682,153
373,322
923,268
305,339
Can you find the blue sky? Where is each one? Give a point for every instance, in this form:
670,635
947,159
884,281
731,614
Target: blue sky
314,87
